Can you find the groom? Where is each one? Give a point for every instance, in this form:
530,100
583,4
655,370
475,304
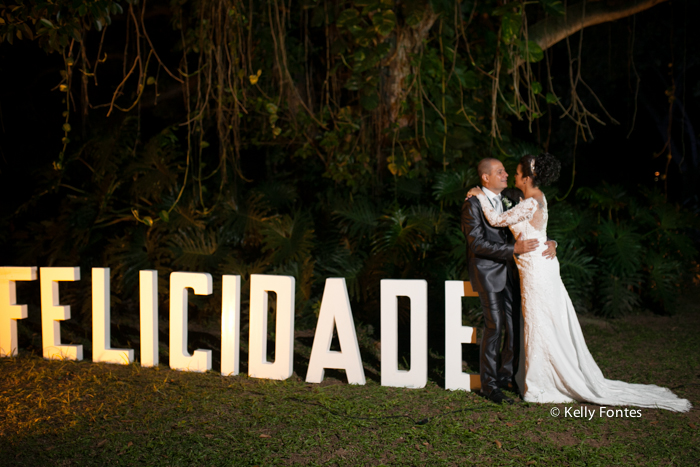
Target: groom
494,276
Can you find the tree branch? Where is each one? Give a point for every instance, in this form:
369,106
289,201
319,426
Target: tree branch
553,29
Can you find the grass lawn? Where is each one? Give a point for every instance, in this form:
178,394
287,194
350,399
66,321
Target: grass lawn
81,413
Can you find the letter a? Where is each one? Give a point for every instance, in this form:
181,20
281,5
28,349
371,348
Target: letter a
335,311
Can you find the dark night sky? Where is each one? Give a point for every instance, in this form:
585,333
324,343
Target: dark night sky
664,41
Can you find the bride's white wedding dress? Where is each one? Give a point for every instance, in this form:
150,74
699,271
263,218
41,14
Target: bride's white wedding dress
555,364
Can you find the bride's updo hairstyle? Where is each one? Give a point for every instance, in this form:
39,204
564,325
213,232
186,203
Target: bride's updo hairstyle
543,169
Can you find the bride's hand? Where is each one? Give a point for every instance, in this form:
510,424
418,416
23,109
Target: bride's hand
474,191
551,251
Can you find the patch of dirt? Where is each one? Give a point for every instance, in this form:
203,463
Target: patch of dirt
331,382
596,443
321,456
563,438
597,322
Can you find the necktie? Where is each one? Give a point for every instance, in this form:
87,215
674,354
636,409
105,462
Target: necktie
497,204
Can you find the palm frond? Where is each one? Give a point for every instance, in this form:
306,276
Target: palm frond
451,188
680,243
107,155
523,148
617,295
566,223
455,254
671,227
140,248
620,248
577,272
642,215
244,222
605,197
277,194
233,264
334,259
156,173
403,233
185,216
303,273
669,217
197,250
430,216
358,218
288,238
409,188
395,231
662,284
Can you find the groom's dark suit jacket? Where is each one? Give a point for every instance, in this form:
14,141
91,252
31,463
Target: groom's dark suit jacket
489,250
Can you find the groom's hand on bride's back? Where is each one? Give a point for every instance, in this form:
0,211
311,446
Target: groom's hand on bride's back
525,246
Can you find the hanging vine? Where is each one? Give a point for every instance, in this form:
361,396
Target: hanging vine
375,87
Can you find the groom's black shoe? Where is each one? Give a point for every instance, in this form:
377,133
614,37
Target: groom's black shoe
507,385
498,397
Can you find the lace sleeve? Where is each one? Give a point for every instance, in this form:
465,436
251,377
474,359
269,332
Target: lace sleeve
522,212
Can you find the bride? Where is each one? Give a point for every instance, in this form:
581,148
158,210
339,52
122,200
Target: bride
556,365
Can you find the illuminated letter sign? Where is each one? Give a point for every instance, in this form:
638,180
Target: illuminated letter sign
258,366
148,297
101,350
201,284
10,312
417,292
456,335
335,313
52,313
230,324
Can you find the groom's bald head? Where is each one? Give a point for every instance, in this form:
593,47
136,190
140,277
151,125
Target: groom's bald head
492,174
486,166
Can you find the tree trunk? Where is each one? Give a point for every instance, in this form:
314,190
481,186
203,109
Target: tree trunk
409,40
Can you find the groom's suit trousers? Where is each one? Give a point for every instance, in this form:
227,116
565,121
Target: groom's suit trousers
500,312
